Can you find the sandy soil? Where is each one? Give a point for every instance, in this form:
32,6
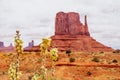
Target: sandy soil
82,69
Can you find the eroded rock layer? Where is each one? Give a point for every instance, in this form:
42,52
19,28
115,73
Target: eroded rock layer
71,34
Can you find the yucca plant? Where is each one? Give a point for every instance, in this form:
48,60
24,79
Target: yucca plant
42,75
13,72
54,57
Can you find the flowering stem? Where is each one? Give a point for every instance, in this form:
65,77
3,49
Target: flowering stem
53,70
44,62
17,65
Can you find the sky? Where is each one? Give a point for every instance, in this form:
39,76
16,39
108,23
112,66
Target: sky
36,19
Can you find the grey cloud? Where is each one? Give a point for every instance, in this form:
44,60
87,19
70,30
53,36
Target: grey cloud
45,20
109,36
96,31
6,36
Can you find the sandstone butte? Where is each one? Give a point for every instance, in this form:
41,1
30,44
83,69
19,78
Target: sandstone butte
71,34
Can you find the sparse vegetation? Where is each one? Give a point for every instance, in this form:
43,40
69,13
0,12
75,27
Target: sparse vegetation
114,61
95,59
31,59
89,73
68,52
72,59
101,52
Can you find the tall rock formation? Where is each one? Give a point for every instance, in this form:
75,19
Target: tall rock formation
30,45
71,34
69,24
1,44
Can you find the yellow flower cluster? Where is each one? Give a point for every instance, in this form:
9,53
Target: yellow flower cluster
12,72
36,77
18,45
53,54
45,44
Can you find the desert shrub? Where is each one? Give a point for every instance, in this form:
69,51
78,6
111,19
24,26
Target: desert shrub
114,61
89,73
101,52
72,59
114,52
68,52
95,59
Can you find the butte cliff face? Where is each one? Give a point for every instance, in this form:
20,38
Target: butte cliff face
71,34
69,24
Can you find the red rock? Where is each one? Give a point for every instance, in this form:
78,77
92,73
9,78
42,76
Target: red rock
71,34
10,48
69,23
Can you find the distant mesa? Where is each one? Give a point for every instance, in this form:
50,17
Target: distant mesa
72,34
10,48
1,44
30,44
31,47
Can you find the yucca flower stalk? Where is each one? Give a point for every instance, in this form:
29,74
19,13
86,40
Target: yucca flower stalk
44,49
54,57
13,71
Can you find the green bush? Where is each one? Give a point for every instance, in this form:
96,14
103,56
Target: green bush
72,59
95,59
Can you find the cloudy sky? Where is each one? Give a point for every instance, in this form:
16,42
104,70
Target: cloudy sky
35,19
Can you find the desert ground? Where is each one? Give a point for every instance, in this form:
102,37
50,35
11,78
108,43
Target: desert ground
86,66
